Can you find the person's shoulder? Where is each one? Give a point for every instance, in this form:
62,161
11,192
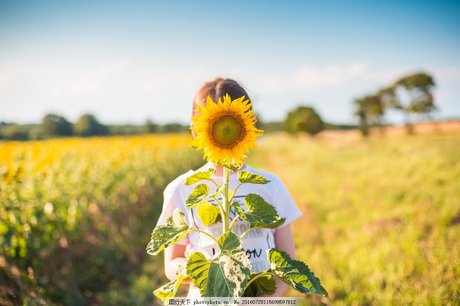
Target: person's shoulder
179,182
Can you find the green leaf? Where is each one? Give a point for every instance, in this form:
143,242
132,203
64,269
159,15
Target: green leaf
208,213
248,177
228,274
197,269
199,194
199,176
259,213
294,273
168,234
262,285
169,290
228,241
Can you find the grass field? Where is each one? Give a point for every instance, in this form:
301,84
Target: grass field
380,225
381,221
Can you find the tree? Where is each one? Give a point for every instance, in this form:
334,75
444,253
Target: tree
303,119
55,125
370,109
418,87
174,128
360,112
13,132
388,97
88,125
150,127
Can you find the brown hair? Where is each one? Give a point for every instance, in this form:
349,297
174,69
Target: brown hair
216,89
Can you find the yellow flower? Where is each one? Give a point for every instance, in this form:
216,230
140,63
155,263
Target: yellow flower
225,131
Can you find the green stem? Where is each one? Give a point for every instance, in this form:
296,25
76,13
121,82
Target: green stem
225,197
233,222
248,231
218,203
214,182
205,233
234,192
256,277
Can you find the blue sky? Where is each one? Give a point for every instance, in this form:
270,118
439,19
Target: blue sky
126,61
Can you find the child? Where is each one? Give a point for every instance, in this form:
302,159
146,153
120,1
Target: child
257,242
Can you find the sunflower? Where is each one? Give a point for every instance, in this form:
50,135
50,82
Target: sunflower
225,131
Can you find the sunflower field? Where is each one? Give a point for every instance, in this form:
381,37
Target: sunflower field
76,215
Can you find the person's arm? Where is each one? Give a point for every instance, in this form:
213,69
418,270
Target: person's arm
284,242
175,262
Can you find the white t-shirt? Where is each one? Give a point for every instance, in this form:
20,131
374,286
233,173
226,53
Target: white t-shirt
257,242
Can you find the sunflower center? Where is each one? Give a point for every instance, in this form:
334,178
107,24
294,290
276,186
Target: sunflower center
227,131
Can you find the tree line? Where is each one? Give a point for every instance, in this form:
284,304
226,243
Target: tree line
54,125
410,94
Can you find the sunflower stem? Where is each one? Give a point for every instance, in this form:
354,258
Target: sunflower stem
226,200
205,233
248,231
234,192
218,203
233,222
256,277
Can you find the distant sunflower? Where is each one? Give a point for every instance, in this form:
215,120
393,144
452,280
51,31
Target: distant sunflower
225,131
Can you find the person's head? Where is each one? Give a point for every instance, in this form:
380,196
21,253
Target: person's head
216,89
224,131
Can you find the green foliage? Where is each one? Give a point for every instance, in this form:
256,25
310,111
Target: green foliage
389,97
198,270
303,119
198,195
174,128
260,284
150,127
417,86
229,241
170,289
259,213
18,131
88,125
370,111
205,175
248,177
74,216
208,213
294,273
228,274
170,233
55,125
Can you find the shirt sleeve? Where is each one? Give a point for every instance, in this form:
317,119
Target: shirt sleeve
286,206
172,200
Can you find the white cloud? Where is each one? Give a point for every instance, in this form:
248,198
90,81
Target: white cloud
174,79
126,88
329,76
313,78
100,79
